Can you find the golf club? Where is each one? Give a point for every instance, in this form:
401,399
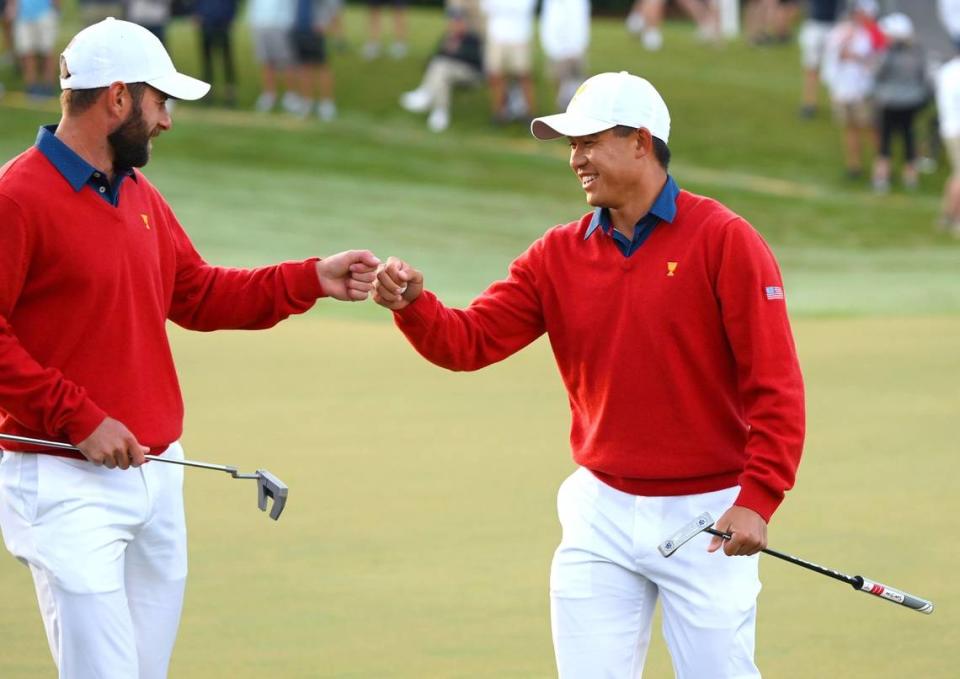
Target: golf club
268,485
704,524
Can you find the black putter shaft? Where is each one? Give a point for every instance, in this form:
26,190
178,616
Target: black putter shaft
858,582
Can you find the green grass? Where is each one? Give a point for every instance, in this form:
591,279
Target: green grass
421,526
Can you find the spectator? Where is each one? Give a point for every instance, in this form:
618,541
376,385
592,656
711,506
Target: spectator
849,59
457,61
769,22
313,71
822,16
949,11
95,11
646,17
565,36
508,53
154,15
215,19
948,109
6,32
34,36
398,49
271,25
900,91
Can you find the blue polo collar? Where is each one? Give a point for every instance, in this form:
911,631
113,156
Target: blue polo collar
74,169
664,209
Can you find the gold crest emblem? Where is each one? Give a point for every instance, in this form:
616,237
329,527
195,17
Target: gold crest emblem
146,220
671,268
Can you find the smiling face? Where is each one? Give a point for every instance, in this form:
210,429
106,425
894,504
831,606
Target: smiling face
131,141
608,166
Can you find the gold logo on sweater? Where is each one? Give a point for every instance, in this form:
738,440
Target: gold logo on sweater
146,220
671,268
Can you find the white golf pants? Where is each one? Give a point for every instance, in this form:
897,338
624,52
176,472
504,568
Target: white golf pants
607,575
108,552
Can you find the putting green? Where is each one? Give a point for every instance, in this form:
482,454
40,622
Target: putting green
421,521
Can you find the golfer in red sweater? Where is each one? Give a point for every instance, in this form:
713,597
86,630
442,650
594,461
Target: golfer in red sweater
666,315
93,263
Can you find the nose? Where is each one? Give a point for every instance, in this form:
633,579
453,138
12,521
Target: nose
166,120
577,158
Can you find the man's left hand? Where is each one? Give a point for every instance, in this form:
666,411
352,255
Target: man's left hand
348,276
748,529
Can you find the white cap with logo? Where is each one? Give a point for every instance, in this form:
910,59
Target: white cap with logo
605,101
119,51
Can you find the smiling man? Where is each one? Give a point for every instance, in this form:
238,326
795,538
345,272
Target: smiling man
666,315
93,263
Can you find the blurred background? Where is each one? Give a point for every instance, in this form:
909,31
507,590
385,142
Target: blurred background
421,520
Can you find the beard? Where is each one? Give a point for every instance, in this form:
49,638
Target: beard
130,142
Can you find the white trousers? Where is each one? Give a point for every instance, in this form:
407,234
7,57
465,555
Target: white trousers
107,549
607,575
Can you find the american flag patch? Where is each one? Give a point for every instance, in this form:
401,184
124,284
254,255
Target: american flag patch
773,292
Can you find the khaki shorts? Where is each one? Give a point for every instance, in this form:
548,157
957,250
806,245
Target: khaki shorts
36,37
507,59
952,146
853,113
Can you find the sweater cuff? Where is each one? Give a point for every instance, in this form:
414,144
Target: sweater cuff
420,312
87,419
759,498
305,282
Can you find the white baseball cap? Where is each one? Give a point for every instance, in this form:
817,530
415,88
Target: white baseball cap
119,51
605,101
897,26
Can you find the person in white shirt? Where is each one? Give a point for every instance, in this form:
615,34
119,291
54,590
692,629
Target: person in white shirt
948,109
847,71
508,52
565,36
271,27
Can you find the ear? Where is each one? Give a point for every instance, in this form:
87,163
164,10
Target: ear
644,143
117,100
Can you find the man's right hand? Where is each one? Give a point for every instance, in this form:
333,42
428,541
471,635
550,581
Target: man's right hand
112,445
397,285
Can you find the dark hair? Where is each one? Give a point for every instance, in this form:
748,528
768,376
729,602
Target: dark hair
660,149
75,102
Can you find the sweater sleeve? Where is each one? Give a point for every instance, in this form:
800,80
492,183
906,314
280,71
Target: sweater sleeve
209,297
39,399
750,290
506,317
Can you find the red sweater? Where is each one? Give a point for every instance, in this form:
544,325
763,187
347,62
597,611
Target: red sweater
85,292
679,361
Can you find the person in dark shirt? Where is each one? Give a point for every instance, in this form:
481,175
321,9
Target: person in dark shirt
214,19
457,61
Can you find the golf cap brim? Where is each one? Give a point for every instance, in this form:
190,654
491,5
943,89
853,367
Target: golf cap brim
180,86
567,125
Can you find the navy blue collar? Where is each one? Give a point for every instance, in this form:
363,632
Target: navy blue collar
664,208
74,169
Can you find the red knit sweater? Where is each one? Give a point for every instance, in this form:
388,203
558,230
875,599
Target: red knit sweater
679,361
85,292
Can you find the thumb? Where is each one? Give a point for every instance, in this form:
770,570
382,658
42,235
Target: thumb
368,258
715,544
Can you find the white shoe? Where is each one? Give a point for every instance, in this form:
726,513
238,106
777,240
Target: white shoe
652,39
398,50
635,23
371,51
438,120
265,102
415,101
326,110
306,108
291,103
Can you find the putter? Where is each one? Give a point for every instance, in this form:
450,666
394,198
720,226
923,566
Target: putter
704,524
268,485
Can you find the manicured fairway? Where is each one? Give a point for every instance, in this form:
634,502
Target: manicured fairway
421,524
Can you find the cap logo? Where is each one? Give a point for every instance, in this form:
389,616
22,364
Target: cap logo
580,90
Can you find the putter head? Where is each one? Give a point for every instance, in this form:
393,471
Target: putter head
269,486
685,534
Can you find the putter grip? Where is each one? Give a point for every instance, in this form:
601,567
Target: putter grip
892,594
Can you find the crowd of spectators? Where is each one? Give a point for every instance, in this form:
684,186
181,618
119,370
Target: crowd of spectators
873,66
